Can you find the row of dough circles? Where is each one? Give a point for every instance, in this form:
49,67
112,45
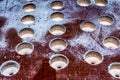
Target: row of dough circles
11,67
58,61
85,3
104,20
59,44
26,48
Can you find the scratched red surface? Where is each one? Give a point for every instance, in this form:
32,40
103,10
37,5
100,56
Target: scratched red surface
36,66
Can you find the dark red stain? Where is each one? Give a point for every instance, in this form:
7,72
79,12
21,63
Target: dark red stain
12,38
39,75
116,34
44,71
2,21
48,36
50,76
77,70
72,29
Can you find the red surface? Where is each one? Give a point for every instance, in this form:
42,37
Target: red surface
36,66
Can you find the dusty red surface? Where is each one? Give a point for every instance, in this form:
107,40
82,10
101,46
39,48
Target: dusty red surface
36,66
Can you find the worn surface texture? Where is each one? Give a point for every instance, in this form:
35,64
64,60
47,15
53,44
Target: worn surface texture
36,66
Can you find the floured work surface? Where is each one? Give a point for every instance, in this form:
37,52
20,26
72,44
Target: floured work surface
104,23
